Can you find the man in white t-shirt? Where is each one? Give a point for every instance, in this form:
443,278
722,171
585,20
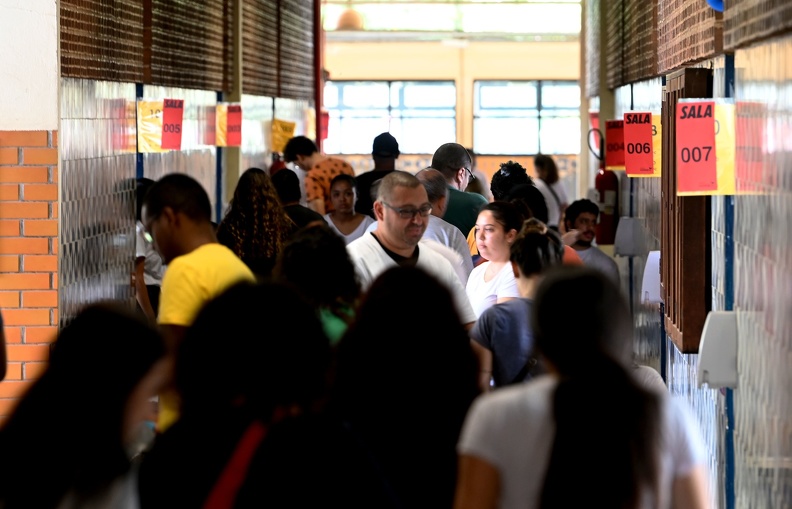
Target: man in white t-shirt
581,215
402,209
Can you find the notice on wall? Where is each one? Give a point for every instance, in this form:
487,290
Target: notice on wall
229,125
149,126
704,147
207,124
172,120
642,144
234,126
221,121
282,132
614,144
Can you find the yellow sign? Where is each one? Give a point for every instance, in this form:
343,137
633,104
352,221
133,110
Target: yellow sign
725,147
221,123
282,132
149,126
657,144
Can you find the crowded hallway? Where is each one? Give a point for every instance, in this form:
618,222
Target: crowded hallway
449,254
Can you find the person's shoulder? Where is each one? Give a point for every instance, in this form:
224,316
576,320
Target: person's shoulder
217,257
362,245
475,197
367,221
370,176
441,249
337,162
531,398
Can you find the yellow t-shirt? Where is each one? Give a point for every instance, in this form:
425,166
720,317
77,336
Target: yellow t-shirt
190,282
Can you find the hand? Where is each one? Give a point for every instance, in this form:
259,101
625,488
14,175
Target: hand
570,237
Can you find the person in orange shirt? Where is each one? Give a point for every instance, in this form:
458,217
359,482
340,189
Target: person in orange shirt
320,170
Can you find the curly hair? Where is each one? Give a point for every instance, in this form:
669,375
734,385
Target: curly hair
509,175
256,226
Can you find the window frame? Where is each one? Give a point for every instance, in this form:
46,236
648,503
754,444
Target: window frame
400,108
538,110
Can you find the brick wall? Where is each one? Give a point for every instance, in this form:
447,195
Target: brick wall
28,255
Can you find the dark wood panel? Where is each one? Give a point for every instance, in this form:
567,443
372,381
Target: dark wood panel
102,40
688,32
189,44
260,47
749,21
685,271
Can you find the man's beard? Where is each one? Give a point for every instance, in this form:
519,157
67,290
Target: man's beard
583,243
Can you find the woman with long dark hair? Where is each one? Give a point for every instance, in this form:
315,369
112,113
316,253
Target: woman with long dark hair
589,433
256,226
71,440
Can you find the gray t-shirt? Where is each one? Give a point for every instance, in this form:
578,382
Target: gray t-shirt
593,257
505,330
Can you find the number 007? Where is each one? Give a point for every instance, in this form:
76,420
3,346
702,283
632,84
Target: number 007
695,154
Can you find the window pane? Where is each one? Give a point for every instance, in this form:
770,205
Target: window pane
353,135
435,17
531,17
431,95
560,135
506,135
521,18
427,113
423,135
504,94
365,94
560,95
331,93
421,115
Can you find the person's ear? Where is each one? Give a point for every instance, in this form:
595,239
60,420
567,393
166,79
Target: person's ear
460,177
442,202
379,211
171,217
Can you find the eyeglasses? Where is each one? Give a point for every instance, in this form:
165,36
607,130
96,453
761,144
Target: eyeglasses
470,174
409,213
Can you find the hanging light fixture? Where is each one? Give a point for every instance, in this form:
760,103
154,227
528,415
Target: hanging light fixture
350,19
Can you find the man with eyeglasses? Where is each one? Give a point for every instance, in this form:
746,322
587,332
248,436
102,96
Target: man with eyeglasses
454,162
402,209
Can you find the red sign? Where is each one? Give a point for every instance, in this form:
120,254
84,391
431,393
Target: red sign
614,144
234,126
172,116
695,147
638,149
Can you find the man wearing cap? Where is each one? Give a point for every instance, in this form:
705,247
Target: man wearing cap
384,152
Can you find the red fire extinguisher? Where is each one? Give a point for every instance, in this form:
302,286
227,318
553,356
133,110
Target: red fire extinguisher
607,185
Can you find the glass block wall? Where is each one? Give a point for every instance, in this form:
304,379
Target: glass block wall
762,276
97,214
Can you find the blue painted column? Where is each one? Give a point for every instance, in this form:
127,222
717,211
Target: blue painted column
728,290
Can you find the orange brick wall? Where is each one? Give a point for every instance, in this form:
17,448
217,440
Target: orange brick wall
28,255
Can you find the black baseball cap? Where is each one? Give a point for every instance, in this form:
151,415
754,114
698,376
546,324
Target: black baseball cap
385,145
